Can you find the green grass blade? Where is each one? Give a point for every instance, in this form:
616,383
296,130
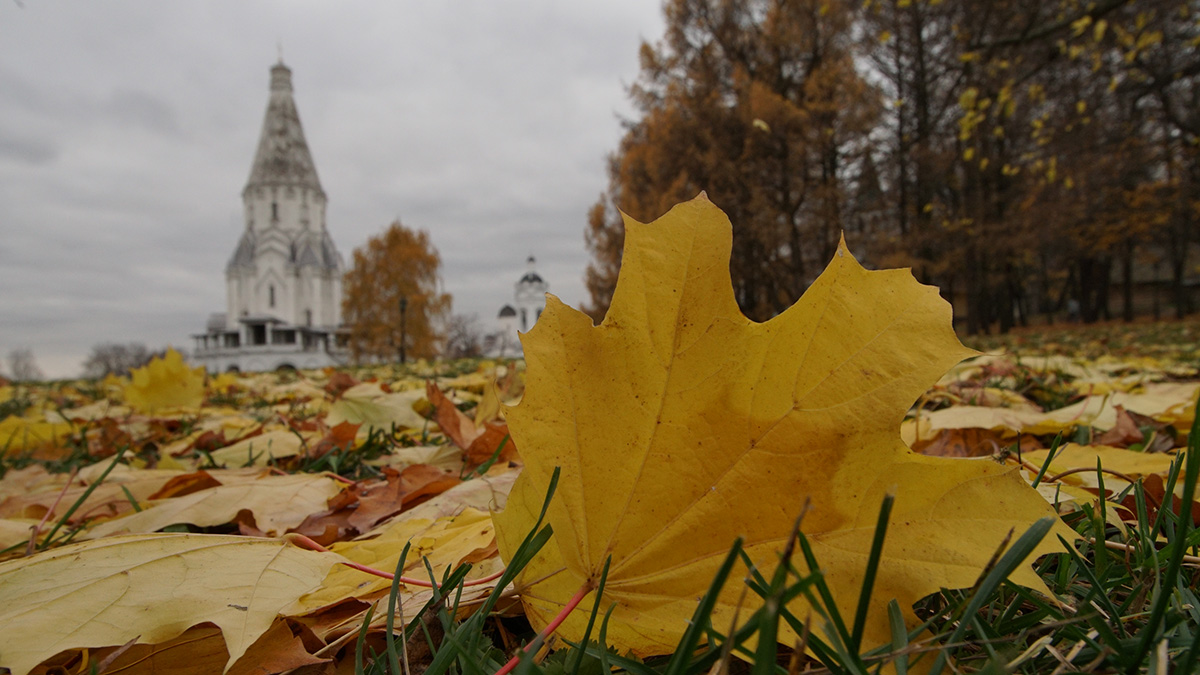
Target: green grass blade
1178,544
362,638
1008,562
587,633
393,598
83,497
899,637
831,608
868,584
1049,457
700,618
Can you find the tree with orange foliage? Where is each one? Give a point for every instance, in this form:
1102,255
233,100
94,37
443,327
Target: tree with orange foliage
393,300
761,105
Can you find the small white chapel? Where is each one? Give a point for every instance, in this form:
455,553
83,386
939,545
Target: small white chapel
529,299
284,280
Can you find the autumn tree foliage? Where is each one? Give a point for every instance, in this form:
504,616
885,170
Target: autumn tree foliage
1025,156
760,105
398,267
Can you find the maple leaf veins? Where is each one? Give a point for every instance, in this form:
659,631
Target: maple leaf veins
679,424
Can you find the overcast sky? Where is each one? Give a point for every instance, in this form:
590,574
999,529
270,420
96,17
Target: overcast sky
127,130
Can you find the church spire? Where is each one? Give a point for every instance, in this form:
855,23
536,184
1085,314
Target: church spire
283,159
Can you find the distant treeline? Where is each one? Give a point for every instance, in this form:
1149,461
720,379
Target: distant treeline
1029,157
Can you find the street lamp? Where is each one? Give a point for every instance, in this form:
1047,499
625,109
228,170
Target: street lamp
403,311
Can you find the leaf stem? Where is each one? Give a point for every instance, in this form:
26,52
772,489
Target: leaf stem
550,627
36,530
306,543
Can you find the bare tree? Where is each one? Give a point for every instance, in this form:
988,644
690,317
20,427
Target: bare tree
23,366
111,358
464,337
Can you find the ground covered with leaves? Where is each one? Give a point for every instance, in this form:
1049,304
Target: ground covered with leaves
680,491
366,461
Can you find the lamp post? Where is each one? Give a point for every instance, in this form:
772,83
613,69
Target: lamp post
403,311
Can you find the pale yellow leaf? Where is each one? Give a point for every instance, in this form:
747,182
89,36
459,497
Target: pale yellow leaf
150,588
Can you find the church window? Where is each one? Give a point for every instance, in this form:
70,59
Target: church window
274,210
308,317
524,323
271,296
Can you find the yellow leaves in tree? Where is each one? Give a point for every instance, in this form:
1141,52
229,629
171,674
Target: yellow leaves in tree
680,425
165,382
149,588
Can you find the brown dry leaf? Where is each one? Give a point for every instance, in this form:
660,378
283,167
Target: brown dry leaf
972,442
1124,434
495,437
149,587
200,650
459,428
401,489
341,437
338,383
184,485
478,441
680,425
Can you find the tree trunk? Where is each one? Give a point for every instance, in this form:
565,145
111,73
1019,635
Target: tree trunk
1127,282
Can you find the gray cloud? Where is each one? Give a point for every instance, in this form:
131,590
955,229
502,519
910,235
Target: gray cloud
127,129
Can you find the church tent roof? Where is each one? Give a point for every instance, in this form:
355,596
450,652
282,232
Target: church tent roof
283,157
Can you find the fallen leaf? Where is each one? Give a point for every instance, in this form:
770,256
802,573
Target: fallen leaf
166,382
367,404
679,425
20,434
200,650
972,442
1129,462
261,450
108,499
495,437
276,502
401,488
186,484
15,531
149,587
445,542
341,437
1124,434
338,383
479,442
459,428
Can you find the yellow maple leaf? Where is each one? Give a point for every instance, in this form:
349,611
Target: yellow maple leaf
149,588
679,425
165,382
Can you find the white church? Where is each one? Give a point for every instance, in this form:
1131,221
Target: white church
284,280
